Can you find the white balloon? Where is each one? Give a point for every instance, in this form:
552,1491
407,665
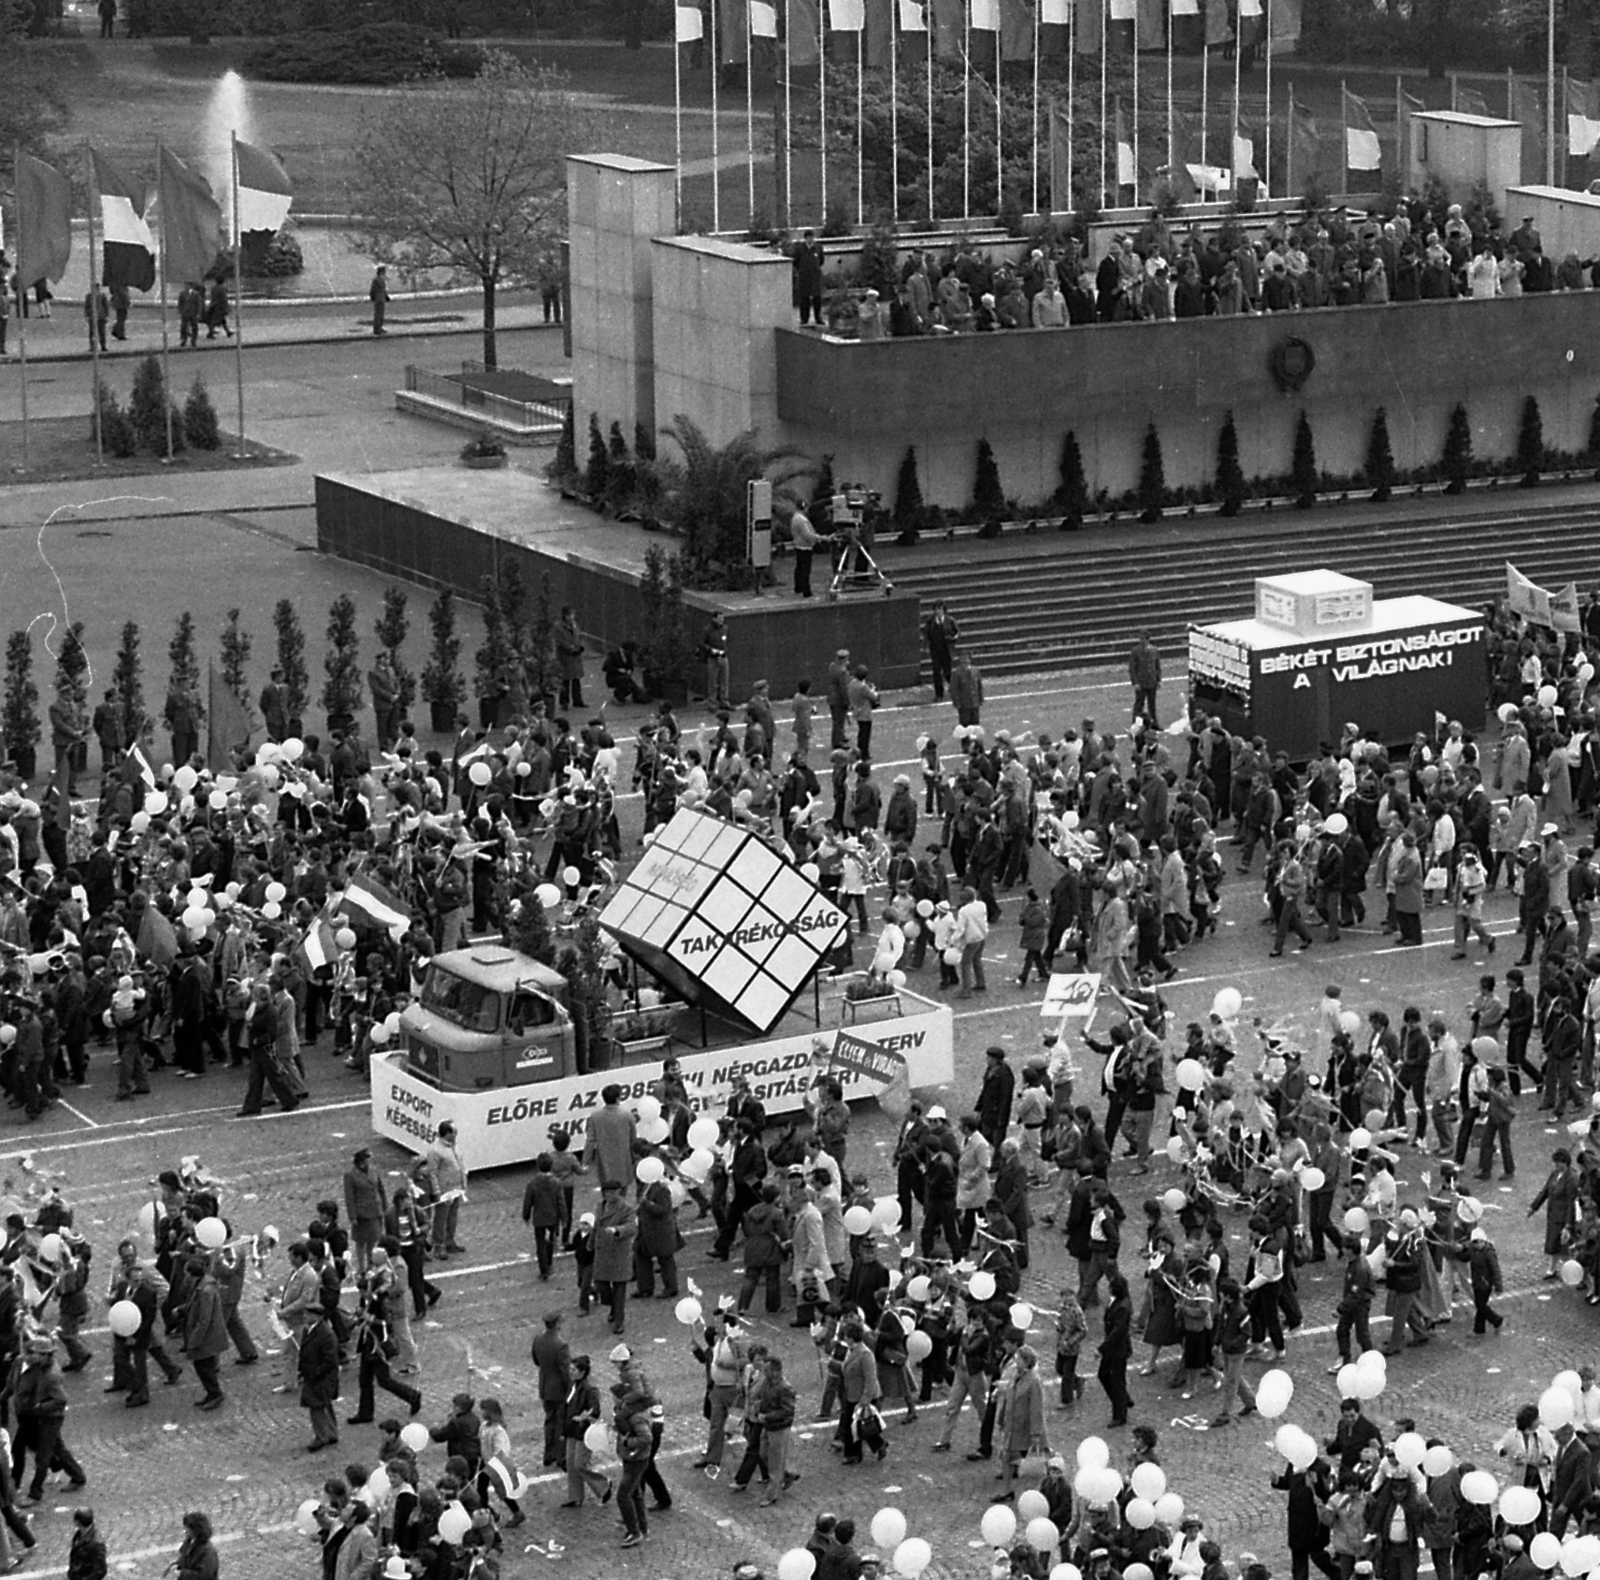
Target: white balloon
1169,1509
858,1221
888,1528
1140,1514
999,1525
981,1286
415,1436
1410,1448
649,1170
305,1517
1149,1480
594,1437
454,1523
125,1319
703,1133
1031,1504
212,1233
912,1556
647,1108
687,1311
1093,1452
797,1564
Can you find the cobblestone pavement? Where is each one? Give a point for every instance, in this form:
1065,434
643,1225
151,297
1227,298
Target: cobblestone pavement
247,1464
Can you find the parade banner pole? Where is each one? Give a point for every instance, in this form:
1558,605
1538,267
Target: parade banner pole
1135,114
1038,15
788,121
1288,148
1056,202
861,168
716,164
677,117
1233,140
822,101
1172,158
1205,101
966,110
927,17
238,299
999,136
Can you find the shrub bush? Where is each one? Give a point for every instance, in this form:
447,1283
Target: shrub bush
200,418
375,54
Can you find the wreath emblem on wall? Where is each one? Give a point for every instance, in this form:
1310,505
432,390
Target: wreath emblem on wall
1291,362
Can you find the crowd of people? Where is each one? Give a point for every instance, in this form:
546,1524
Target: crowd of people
1162,272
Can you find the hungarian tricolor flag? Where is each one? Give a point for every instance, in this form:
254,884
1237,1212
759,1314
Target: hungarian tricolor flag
129,250
44,222
264,190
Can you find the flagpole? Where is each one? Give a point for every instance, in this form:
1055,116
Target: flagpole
1233,140
1399,122
1511,94
927,31
1205,95
94,311
750,107
677,115
1266,162
1135,113
1288,149
22,317
1550,96
999,138
1172,160
822,98
1454,90
788,121
161,287
1056,202
894,112
1344,126
238,298
966,111
1105,124
861,188
716,165
1564,148
1038,17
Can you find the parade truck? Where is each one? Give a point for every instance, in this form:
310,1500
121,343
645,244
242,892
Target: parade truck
728,944
1321,655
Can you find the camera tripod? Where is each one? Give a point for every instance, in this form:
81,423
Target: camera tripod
857,570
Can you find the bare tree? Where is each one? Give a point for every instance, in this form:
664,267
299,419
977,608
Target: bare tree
469,176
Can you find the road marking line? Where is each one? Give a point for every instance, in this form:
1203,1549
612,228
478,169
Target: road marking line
78,1113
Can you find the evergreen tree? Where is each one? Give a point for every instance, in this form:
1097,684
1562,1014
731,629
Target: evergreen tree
594,479
1530,444
127,684
20,713
442,684
235,651
147,406
116,432
391,630
908,504
988,497
1380,458
1152,477
292,659
1457,461
184,675
341,663
492,661
564,464
1230,475
200,425
1072,492
1304,469
72,686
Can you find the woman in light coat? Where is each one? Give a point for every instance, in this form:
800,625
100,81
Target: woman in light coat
809,1252
972,1176
1019,1415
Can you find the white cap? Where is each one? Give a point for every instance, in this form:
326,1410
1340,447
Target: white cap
620,1353
937,1113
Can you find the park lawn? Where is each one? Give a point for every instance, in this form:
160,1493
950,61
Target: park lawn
61,450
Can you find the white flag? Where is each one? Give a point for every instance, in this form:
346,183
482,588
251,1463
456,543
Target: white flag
1123,10
1249,8
1582,135
763,19
1125,170
691,24
913,17
847,16
1361,149
985,16
1186,7
1244,158
1058,12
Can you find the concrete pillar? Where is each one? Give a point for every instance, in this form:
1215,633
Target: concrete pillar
716,305
615,206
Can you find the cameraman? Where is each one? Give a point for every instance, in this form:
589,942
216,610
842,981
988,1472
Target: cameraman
804,538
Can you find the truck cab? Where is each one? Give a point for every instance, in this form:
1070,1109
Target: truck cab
489,1018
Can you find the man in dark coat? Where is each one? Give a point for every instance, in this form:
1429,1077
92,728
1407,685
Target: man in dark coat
766,1228
554,1360
940,632
274,712
994,1097
205,1331
1307,1536
319,1379
809,259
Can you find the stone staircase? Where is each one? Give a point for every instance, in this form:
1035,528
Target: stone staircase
1061,600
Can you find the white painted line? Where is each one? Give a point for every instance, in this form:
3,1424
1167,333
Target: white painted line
78,1113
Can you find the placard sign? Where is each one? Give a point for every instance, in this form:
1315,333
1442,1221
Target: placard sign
1070,994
